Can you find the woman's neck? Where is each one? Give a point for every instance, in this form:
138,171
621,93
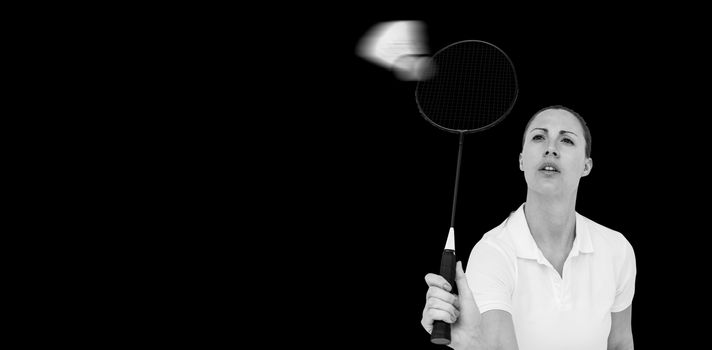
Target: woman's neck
552,222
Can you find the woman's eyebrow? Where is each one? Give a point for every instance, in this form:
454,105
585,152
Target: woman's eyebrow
560,132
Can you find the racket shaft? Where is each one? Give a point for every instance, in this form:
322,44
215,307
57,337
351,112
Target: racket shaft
441,329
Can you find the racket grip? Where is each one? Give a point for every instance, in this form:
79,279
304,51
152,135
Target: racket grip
441,329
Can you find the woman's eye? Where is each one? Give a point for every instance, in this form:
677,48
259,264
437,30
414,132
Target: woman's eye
568,140
537,137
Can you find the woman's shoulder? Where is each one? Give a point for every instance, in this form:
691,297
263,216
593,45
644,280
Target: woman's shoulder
605,237
498,238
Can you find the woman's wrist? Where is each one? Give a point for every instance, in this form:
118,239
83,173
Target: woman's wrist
472,340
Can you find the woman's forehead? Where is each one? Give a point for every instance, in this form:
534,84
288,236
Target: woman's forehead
557,119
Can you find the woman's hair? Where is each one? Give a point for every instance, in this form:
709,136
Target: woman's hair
586,131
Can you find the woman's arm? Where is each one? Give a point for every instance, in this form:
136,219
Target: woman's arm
498,330
470,330
621,335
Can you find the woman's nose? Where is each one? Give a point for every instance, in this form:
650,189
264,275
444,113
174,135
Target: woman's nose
551,151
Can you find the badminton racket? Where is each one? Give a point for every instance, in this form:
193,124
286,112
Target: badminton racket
471,87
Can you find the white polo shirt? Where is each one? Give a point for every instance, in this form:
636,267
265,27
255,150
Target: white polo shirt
507,271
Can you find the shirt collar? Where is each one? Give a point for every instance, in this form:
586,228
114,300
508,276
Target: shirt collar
526,246
582,242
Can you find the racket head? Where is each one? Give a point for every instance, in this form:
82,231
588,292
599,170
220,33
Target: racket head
472,87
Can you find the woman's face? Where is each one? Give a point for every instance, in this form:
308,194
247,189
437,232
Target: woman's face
553,158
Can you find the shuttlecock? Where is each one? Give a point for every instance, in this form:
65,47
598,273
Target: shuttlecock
400,46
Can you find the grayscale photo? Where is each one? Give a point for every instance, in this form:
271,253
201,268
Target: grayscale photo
529,186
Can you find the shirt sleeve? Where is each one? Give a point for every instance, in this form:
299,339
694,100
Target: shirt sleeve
490,276
625,282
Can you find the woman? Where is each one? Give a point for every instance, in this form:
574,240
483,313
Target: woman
547,277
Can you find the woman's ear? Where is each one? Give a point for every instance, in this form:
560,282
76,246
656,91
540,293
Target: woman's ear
587,165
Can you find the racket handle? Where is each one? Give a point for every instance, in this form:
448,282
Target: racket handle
441,329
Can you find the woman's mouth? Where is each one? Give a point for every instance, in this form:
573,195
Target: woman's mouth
549,169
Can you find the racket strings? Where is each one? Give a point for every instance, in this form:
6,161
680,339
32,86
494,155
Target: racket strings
474,86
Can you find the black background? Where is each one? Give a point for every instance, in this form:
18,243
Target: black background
364,183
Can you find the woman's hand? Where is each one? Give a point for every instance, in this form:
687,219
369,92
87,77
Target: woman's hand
460,311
